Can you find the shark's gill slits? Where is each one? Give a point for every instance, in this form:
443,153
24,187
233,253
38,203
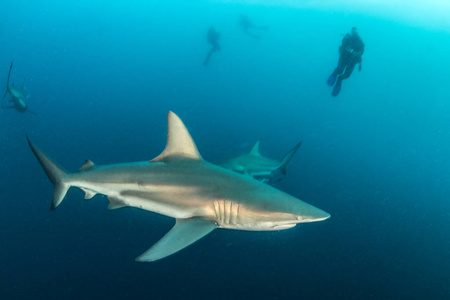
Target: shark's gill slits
226,212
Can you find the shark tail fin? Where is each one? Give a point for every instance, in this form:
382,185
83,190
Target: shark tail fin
287,158
7,81
57,175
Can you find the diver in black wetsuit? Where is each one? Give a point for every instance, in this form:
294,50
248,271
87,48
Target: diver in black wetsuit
212,37
247,24
350,52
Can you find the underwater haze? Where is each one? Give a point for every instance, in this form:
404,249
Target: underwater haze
101,76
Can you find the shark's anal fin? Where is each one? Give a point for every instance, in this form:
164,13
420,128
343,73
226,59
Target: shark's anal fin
88,194
184,233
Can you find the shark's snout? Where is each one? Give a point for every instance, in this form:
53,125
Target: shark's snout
313,216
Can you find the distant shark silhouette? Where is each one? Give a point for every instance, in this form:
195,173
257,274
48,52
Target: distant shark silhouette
258,166
19,97
180,184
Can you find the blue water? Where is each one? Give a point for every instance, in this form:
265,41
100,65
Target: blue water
102,75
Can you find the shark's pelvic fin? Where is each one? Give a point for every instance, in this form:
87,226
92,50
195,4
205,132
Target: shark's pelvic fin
87,166
287,158
184,233
255,149
179,142
115,203
57,175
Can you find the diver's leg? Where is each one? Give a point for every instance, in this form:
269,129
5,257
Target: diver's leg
339,69
261,27
206,62
337,86
348,71
255,36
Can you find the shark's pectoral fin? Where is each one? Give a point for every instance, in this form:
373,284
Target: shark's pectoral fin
184,233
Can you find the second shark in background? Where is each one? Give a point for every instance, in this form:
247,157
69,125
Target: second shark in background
258,166
19,98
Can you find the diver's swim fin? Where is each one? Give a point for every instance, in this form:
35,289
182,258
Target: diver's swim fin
331,80
337,88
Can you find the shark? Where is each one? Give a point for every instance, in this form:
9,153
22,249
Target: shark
180,184
19,97
258,166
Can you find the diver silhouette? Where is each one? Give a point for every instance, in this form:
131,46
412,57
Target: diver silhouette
246,24
350,52
212,37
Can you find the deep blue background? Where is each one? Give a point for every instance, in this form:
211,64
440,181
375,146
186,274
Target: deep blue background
101,77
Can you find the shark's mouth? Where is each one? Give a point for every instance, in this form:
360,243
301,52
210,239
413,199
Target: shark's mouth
313,219
283,226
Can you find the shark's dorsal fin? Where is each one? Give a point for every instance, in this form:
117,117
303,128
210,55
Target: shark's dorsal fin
179,142
87,166
255,149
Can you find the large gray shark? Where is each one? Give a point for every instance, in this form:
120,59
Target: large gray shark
19,97
256,165
180,184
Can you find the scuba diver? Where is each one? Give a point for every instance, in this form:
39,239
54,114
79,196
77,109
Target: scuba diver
350,52
246,24
212,37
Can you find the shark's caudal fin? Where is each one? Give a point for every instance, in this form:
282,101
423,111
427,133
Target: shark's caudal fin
184,233
288,158
57,175
179,142
7,81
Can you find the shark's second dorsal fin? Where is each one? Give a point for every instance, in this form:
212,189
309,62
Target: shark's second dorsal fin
255,149
179,142
87,166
